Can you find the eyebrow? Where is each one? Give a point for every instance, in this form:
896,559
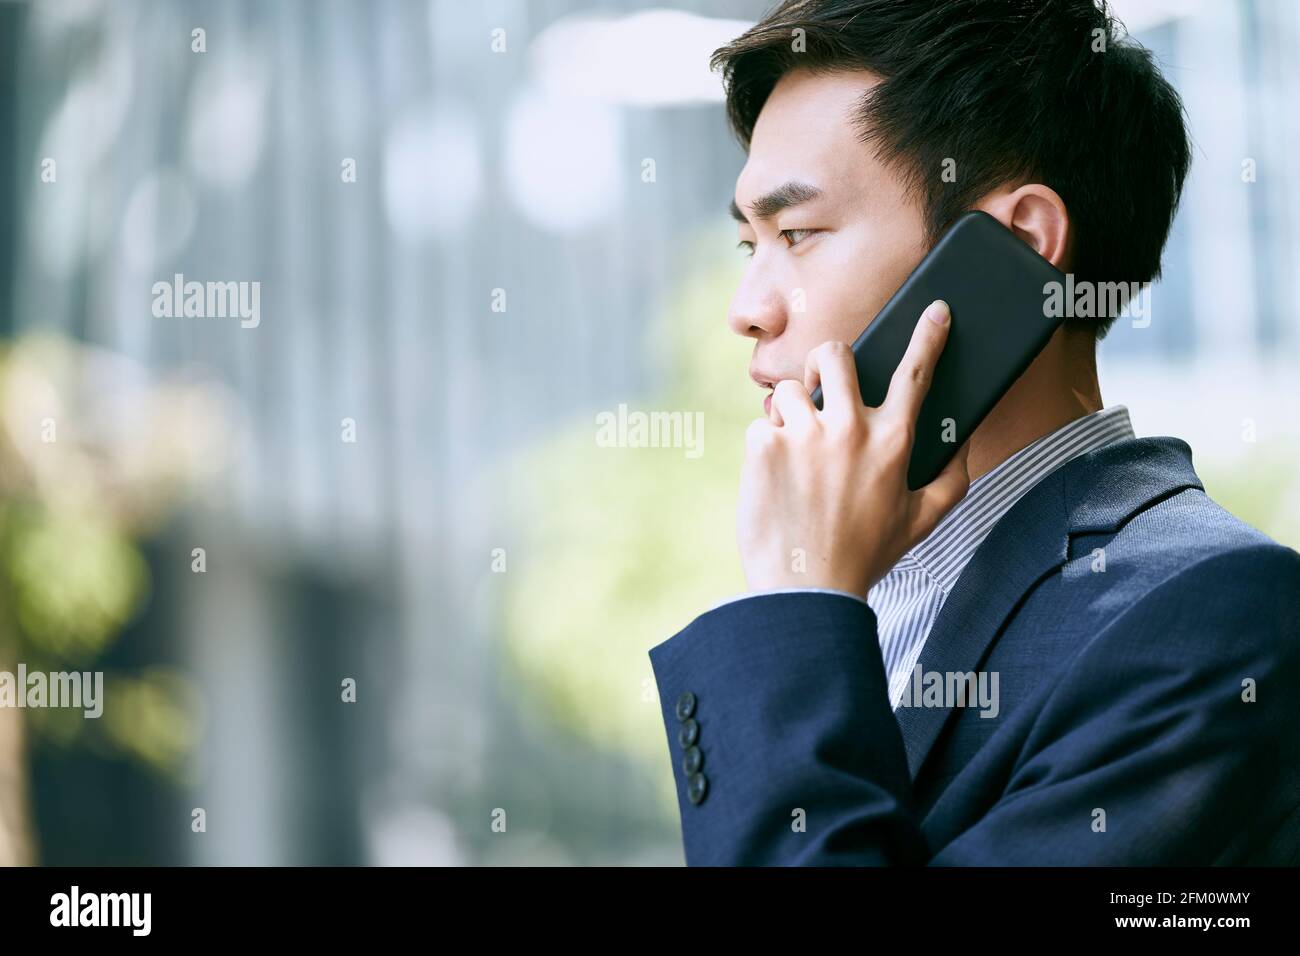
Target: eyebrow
788,194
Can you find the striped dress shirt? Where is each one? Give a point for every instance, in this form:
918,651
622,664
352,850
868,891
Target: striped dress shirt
907,600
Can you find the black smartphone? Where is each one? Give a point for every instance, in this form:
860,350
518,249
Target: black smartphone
997,289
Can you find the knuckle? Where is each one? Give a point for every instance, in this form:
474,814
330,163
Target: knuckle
897,439
850,429
831,350
788,387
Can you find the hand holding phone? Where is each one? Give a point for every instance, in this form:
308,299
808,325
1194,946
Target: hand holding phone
995,288
823,496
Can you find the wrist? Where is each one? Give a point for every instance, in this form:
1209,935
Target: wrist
795,581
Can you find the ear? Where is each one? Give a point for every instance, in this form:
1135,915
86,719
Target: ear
1037,215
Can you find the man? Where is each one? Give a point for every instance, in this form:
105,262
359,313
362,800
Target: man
1059,652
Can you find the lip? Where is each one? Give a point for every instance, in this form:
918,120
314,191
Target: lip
766,381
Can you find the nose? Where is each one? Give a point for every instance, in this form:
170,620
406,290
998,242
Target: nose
758,309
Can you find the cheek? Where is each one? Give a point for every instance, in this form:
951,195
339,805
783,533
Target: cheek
860,274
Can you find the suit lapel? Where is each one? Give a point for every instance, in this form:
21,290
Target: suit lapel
1095,492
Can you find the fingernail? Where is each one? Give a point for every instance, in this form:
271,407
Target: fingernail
937,311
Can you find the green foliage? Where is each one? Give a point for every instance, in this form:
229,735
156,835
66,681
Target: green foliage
73,580
73,499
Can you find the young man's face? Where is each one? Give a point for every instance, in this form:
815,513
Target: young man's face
825,259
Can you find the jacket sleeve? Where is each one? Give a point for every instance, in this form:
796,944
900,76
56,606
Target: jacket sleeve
1165,737
785,749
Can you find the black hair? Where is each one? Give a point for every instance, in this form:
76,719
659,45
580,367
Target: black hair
1050,91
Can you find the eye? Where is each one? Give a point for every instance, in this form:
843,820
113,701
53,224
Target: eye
792,238
796,236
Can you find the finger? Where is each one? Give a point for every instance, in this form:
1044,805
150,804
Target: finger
940,496
911,380
831,366
790,400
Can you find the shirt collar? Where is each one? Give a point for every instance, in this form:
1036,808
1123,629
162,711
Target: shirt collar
945,552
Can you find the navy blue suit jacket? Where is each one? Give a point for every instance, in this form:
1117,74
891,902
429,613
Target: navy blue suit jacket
1149,713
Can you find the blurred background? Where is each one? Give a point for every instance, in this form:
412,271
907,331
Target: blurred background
476,227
